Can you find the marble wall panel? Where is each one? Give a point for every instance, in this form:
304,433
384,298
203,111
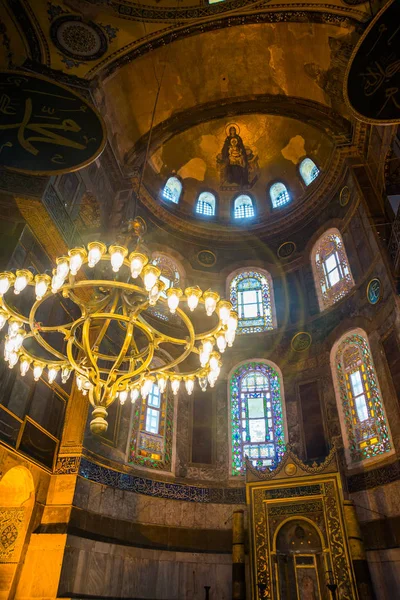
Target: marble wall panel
378,502
385,572
138,508
107,570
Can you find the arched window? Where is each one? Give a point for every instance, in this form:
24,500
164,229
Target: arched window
243,207
152,431
172,190
251,294
206,204
365,430
279,194
257,424
332,275
308,170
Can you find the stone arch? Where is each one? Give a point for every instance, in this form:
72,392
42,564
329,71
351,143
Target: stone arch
17,499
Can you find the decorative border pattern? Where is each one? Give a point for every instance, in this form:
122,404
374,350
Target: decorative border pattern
160,489
374,478
190,493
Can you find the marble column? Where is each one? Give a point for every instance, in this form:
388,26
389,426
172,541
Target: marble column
238,557
357,552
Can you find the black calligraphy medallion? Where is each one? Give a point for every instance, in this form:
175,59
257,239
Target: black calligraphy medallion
45,128
372,82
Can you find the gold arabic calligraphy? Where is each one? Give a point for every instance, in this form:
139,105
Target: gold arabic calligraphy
380,73
45,132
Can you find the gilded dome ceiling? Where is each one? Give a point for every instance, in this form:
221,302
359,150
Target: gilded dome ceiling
274,147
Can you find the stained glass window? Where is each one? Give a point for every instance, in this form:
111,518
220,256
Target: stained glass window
251,294
256,416
206,204
360,401
243,207
172,190
152,431
308,170
333,278
279,194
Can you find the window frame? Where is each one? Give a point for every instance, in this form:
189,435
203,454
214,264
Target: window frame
301,175
267,290
171,202
329,295
236,375
357,448
233,209
288,191
216,204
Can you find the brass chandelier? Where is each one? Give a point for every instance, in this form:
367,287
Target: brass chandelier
111,340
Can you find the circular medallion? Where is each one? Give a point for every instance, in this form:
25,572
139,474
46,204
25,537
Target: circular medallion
206,258
45,127
290,469
286,249
77,39
301,341
344,196
374,291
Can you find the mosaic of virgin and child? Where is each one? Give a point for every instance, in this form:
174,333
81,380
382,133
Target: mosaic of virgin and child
237,163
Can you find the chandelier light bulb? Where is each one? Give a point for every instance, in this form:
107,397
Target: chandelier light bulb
76,258
214,361
173,297
193,295
146,387
37,371
96,251
123,397
189,385
62,269
230,338
6,281
24,366
12,359
52,373
232,322
211,379
3,319
65,373
13,327
9,345
18,339
23,277
56,283
203,382
224,310
117,254
162,383
150,275
207,346
42,283
134,394
137,261
155,292
221,342
175,385
210,301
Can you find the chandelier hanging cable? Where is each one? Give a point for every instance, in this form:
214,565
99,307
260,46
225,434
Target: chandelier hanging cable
110,338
